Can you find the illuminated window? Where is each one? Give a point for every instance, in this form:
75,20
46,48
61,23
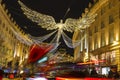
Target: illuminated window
108,61
113,56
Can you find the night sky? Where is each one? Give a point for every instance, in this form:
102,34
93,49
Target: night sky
56,8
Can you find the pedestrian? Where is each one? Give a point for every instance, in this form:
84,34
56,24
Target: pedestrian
113,73
119,73
93,72
86,72
1,74
11,75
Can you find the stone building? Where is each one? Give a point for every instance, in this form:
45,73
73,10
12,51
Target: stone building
12,47
103,35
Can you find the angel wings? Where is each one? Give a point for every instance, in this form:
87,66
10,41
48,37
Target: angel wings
48,22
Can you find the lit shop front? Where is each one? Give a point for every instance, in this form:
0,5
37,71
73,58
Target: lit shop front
105,60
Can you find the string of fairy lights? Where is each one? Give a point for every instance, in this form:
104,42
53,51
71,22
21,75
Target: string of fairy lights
48,22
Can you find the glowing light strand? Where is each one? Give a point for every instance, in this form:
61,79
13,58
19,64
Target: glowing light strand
48,22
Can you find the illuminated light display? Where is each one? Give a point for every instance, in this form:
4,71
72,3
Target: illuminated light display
92,62
38,51
43,59
38,78
60,78
70,25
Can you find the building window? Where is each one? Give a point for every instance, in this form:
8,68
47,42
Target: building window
102,25
96,29
3,25
90,32
102,39
111,34
102,11
119,31
119,13
90,44
7,29
110,5
111,20
83,43
0,21
95,43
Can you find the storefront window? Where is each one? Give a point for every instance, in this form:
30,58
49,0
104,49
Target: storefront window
110,58
105,70
103,56
113,56
103,59
96,62
108,61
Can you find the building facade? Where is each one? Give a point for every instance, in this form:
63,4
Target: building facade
12,49
104,34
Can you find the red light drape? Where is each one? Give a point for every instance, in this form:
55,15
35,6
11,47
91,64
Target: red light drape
38,51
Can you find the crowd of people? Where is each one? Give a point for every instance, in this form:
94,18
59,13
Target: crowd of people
10,75
112,74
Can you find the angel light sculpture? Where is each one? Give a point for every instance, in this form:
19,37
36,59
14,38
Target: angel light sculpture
48,22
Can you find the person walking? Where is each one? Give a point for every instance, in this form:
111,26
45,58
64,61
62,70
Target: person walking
93,72
113,73
1,74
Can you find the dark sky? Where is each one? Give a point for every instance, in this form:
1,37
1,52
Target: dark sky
55,8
